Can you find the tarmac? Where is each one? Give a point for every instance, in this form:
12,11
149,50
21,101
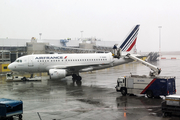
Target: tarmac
95,99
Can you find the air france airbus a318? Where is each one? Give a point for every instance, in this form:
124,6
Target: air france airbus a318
61,65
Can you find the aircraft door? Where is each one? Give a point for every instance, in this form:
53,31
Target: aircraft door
30,61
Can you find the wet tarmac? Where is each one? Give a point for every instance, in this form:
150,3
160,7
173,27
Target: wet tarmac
95,99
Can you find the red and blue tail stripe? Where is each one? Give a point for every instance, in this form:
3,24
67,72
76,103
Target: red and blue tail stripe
130,41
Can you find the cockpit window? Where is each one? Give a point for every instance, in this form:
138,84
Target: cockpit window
19,61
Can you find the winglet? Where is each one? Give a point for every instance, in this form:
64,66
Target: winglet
130,41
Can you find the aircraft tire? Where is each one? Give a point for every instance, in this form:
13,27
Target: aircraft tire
78,82
74,76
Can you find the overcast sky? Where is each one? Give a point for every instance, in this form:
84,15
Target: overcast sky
108,20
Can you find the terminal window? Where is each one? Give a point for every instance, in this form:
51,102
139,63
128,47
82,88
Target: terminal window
5,67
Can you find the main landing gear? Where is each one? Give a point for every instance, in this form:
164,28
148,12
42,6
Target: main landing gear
77,79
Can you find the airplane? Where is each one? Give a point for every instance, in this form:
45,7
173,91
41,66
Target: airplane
61,65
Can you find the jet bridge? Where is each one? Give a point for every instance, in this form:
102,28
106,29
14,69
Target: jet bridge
155,70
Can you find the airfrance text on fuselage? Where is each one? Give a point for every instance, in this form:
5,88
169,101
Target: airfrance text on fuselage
58,57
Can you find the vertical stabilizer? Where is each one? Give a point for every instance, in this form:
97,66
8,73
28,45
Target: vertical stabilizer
130,41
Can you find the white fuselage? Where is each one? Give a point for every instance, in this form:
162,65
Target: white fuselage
44,62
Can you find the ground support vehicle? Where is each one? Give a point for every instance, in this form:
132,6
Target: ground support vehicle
171,105
12,78
151,86
10,108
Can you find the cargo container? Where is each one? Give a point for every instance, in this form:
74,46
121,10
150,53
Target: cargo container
171,105
10,108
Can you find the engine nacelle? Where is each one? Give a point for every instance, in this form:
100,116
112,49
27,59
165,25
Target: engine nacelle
57,73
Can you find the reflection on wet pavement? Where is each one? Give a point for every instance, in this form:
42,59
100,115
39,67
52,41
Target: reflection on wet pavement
95,99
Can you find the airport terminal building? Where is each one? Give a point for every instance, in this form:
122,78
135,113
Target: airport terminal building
11,49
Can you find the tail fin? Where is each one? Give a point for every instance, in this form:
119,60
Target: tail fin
130,41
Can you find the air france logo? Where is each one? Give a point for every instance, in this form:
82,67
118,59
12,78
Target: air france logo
52,57
65,57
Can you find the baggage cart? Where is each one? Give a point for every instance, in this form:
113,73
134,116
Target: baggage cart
171,105
10,108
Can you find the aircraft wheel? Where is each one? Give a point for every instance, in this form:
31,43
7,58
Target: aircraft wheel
74,75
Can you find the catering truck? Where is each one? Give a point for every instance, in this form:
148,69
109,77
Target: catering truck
152,85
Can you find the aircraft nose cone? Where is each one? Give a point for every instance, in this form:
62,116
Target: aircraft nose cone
10,66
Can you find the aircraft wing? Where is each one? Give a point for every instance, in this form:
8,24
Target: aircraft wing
76,67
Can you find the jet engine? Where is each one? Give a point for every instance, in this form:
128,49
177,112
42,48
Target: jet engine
57,73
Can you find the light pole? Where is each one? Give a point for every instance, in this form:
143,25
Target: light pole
160,40
81,35
40,35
